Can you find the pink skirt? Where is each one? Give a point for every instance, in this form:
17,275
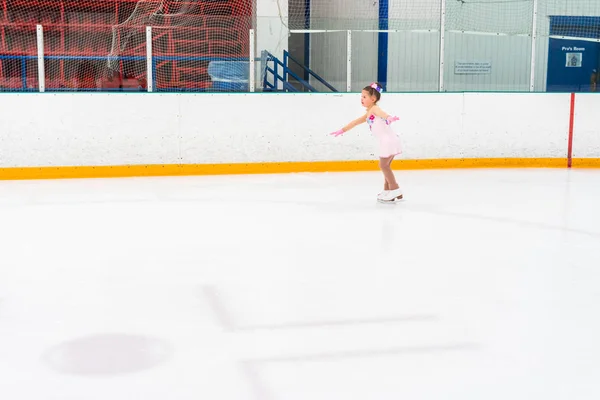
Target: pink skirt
388,141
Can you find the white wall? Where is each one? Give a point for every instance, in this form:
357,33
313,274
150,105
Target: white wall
92,129
510,55
271,30
508,73
272,26
328,51
413,57
413,62
586,137
506,44
410,66
413,54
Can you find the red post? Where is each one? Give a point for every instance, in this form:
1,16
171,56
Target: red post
571,121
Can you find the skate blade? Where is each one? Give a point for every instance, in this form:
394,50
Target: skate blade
393,201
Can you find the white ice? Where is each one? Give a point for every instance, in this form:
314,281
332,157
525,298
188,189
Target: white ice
482,284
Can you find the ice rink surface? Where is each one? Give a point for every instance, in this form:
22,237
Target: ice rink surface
481,285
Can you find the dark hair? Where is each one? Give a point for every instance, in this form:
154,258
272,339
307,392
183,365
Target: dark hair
374,92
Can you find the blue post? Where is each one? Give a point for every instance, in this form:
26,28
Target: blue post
306,39
382,46
275,75
285,65
24,72
154,73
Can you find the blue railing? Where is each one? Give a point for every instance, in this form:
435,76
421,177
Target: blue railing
155,60
286,73
23,68
268,86
280,71
287,56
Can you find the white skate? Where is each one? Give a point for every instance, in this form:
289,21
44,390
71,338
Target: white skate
390,196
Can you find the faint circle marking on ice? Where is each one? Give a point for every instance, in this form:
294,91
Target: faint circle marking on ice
107,354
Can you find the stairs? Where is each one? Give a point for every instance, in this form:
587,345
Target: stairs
277,75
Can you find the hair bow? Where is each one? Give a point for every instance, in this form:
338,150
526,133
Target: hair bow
376,87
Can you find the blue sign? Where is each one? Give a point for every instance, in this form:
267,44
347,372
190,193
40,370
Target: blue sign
572,62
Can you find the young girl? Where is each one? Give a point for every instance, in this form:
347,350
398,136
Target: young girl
389,143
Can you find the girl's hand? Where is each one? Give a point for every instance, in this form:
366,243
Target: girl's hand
391,119
337,133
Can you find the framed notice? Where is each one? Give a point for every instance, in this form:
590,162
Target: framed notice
472,67
574,60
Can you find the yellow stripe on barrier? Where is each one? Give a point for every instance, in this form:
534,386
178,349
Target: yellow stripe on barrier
585,163
122,171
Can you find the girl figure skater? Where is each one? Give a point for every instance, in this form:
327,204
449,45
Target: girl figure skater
389,143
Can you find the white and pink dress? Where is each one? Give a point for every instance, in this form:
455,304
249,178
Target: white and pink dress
388,141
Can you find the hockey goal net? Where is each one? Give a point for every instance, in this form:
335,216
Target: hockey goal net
102,44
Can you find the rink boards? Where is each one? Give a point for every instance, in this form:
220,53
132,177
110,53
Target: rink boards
45,135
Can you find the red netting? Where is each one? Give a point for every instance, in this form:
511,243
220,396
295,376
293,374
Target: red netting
101,44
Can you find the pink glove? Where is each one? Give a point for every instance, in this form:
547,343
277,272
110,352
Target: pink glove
337,133
391,119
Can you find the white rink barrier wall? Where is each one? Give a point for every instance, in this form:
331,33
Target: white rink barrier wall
49,135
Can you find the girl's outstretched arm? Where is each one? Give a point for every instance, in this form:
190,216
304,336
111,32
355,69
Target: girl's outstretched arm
351,125
355,123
